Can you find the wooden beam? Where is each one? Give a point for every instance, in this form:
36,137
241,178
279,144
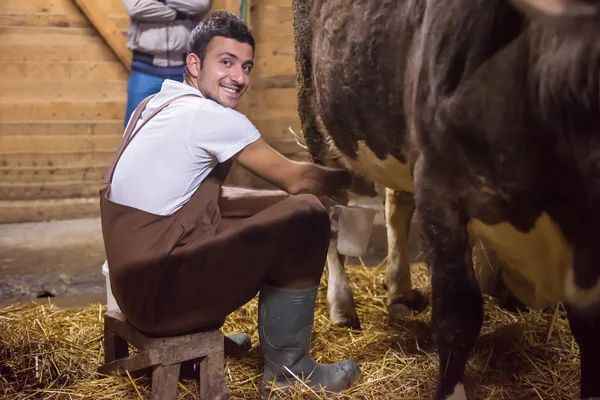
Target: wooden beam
107,29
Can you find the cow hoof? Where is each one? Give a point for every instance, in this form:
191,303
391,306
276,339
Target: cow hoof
399,311
406,306
344,320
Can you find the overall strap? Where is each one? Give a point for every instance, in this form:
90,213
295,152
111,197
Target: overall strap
130,132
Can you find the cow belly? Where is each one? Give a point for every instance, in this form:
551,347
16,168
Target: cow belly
389,172
534,264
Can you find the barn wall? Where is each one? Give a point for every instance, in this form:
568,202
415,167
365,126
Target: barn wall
63,95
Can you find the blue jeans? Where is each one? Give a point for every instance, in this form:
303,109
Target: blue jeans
142,85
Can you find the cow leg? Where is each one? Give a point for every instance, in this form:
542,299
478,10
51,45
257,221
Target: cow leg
402,298
340,299
457,303
585,328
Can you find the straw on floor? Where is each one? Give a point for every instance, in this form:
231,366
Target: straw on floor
52,353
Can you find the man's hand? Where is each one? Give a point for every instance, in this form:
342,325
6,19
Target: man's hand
337,180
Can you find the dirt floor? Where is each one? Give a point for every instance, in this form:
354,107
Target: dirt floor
61,259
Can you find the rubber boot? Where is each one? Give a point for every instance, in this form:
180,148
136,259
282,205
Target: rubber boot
285,324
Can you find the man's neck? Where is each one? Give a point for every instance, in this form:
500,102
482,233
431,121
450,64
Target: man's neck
190,82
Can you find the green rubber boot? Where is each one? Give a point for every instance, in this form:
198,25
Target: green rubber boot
285,324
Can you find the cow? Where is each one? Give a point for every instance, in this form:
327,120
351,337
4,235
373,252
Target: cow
372,167
487,114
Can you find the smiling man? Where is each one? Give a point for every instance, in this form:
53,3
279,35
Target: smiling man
184,251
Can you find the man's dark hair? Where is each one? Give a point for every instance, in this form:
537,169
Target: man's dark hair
220,23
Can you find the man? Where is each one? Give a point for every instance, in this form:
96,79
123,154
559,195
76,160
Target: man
184,252
158,35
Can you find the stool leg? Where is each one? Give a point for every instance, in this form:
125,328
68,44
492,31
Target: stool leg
114,346
164,382
212,378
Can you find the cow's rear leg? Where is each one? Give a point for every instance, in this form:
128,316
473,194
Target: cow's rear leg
457,303
402,298
585,328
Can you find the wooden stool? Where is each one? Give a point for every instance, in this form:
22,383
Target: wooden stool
164,356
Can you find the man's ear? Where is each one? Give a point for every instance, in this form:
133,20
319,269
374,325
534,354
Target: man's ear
559,9
194,64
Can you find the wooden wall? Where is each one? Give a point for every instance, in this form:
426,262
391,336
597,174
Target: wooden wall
63,94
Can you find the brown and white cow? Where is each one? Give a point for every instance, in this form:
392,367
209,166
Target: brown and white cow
492,119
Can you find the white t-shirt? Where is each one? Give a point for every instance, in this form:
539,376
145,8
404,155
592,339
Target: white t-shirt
172,154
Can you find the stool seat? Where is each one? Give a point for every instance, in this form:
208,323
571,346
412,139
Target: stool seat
164,356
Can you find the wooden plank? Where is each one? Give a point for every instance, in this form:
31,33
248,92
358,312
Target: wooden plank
287,147
48,34
107,30
20,143
48,190
58,127
110,7
272,104
275,46
60,173
232,6
52,44
274,82
45,210
23,90
57,20
58,52
275,63
273,19
277,128
53,158
279,3
113,7
56,71
43,19
40,6
270,114
272,14
62,110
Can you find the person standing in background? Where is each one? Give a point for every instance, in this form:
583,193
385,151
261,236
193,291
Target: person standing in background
158,36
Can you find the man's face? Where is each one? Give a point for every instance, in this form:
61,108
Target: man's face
224,74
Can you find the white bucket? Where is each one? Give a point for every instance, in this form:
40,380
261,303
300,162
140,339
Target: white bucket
355,225
111,303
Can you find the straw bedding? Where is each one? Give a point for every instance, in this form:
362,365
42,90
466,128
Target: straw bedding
52,353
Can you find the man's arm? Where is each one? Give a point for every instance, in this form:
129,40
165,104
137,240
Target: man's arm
292,176
190,7
149,10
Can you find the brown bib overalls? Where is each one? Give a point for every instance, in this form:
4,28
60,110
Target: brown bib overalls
187,271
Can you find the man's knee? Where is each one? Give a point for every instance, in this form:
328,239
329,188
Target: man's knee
310,212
